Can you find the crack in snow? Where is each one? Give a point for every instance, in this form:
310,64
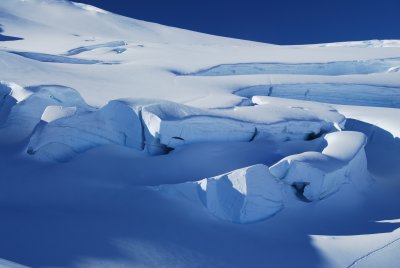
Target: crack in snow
360,259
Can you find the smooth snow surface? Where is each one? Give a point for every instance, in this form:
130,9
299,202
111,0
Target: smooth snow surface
126,143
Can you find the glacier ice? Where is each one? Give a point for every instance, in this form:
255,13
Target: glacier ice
107,187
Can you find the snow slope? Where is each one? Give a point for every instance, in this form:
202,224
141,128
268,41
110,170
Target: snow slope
129,143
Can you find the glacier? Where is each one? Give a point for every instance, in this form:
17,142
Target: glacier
134,144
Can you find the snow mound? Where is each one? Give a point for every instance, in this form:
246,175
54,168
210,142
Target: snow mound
22,108
242,196
115,123
318,175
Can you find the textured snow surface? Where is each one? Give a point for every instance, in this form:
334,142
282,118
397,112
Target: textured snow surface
126,143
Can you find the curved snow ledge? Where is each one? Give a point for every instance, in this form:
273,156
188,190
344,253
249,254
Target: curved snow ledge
337,93
334,68
242,196
82,49
318,175
42,57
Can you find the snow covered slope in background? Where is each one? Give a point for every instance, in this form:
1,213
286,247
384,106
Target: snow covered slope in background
129,143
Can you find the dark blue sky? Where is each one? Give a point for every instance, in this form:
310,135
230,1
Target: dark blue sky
272,21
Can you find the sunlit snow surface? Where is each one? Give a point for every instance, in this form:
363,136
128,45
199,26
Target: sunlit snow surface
125,143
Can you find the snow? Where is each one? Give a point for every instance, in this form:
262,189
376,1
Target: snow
160,126
328,68
24,107
98,110
384,252
349,94
42,57
242,196
13,90
374,115
344,145
54,112
90,8
80,50
9,264
367,43
115,123
319,175
175,125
